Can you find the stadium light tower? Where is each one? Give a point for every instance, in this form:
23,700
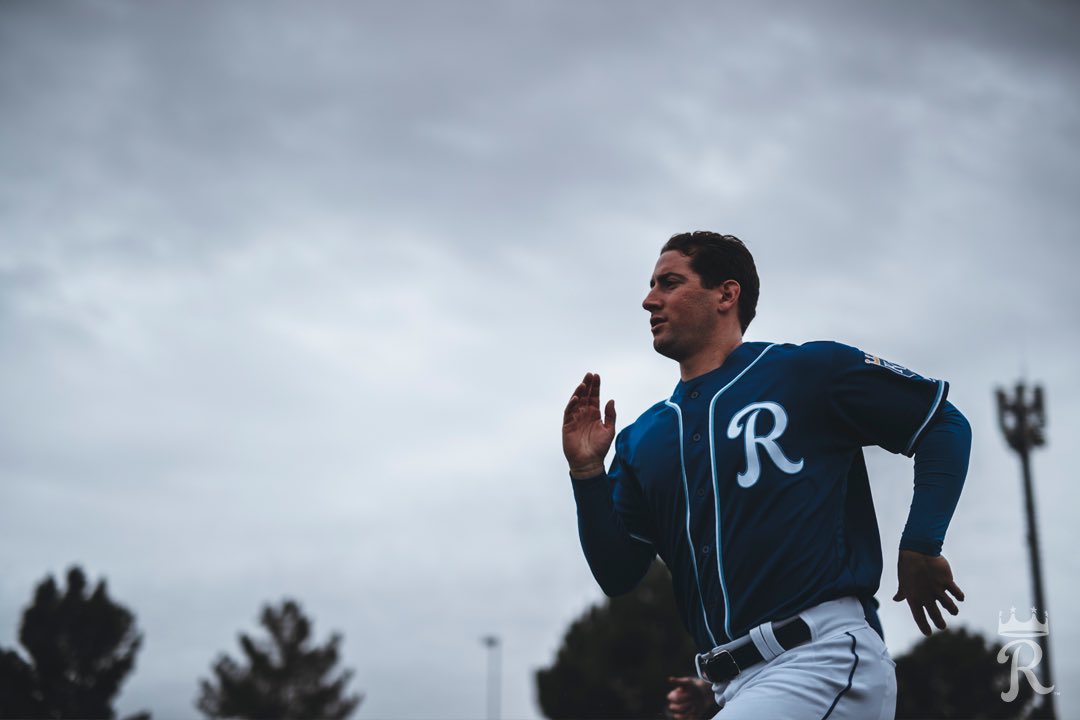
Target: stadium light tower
1023,424
491,642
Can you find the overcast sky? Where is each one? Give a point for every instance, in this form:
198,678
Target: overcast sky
292,295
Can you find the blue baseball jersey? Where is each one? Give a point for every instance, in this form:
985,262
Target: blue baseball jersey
750,484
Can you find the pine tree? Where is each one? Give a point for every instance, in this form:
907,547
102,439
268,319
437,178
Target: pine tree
81,650
615,659
283,677
955,674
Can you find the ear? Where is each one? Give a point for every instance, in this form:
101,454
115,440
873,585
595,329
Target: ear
727,297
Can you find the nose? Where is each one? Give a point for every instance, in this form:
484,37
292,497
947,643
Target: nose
651,302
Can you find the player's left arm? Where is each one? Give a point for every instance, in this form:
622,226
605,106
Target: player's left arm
872,401
924,576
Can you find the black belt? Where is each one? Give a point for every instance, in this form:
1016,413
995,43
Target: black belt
723,665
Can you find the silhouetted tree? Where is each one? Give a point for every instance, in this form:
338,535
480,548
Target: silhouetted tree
284,677
955,674
615,659
81,649
19,696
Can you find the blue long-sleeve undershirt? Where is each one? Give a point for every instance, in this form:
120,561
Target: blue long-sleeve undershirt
941,463
617,559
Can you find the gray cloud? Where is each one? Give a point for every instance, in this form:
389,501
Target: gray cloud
290,301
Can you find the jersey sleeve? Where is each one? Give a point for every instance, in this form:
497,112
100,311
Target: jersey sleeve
628,498
614,527
876,402
941,464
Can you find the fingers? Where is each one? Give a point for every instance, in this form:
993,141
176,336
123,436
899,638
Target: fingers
948,604
579,398
571,408
580,391
920,618
594,400
588,390
679,699
587,395
920,611
953,588
926,582
594,390
683,682
690,698
935,614
680,703
584,390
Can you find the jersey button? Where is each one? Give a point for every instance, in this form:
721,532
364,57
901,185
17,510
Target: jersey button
705,549
701,492
693,395
696,437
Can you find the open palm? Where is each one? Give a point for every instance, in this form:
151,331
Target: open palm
586,436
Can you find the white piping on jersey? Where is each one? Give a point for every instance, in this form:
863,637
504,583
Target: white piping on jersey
933,409
716,490
640,538
690,540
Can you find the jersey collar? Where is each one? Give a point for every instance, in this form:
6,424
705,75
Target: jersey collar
734,363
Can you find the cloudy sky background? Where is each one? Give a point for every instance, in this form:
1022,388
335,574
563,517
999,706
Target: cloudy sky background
292,295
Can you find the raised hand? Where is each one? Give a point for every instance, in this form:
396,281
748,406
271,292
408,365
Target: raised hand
585,436
923,581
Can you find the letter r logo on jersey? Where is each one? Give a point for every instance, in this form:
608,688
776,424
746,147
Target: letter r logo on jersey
768,442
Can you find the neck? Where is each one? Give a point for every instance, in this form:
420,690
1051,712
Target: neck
710,358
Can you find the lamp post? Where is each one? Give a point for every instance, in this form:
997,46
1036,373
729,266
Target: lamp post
1023,424
491,642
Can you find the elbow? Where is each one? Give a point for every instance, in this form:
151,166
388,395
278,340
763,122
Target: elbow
612,580
620,578
614,587
965,431
959,425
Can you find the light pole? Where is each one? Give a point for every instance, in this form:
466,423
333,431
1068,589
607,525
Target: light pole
1023,424
491,642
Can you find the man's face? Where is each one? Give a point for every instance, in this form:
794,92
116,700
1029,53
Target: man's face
683,314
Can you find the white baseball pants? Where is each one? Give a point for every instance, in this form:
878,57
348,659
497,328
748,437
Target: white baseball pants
844,672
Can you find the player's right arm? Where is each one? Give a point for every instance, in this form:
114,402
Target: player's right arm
618,559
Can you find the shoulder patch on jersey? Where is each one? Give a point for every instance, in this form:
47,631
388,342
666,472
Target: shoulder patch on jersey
898,369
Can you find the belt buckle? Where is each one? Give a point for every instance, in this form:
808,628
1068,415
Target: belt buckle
721,658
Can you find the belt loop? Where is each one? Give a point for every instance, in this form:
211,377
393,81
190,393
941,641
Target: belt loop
770,638
811,622
757,635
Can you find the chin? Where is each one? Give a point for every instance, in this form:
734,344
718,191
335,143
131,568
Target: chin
667,349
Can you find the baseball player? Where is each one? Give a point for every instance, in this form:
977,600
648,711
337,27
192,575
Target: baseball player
749,482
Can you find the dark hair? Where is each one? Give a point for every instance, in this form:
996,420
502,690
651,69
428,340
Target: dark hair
716,258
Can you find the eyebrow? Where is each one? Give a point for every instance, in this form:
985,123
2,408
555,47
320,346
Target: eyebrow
666,275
